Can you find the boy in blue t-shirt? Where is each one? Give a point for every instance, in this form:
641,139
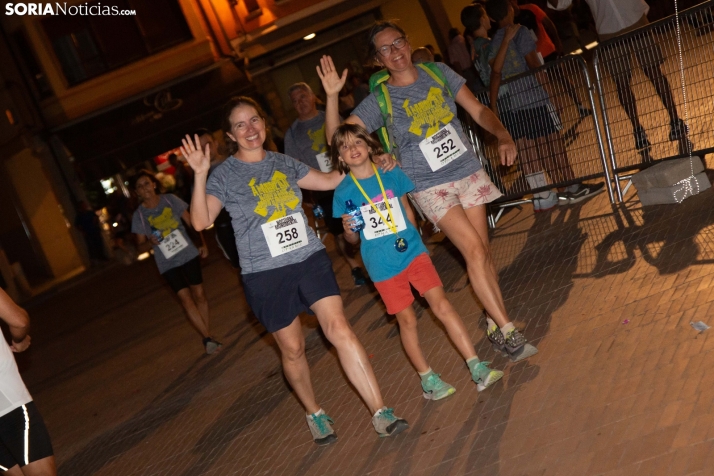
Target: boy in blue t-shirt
394,254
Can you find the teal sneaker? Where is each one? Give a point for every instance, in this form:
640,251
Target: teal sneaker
435,388
386,423
321,429
484,376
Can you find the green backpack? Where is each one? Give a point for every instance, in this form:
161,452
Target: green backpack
378,85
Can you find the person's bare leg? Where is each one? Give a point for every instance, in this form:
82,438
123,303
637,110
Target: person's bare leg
353,358
453,323
199,297
291,342
194,315
342,249
627,98
409,334
484,282
14,471
553,148
41,467
664,90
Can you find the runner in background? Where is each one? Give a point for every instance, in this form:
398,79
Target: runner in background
225,235
157,224
305,141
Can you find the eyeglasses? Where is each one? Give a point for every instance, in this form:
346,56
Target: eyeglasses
399,43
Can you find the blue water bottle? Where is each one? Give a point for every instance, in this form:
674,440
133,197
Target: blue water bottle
318,212
157,234
357,220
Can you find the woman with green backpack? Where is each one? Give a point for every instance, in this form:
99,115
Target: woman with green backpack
413,108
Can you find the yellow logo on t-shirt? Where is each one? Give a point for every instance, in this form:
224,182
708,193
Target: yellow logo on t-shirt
276,193
430,112
166,223
319,144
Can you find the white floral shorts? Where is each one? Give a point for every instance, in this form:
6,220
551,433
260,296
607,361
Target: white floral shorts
476,189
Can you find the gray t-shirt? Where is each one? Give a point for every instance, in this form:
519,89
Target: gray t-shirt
420,110
258,193
306,139
165,217
526,92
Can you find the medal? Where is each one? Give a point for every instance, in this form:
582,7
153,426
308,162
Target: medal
401,245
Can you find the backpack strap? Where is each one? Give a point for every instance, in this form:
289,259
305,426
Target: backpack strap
378,86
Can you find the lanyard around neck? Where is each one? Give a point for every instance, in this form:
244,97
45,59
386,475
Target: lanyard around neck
390,224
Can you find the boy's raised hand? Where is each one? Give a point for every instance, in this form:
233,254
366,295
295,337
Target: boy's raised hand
331,81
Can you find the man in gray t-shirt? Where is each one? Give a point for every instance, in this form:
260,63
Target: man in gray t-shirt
305,141
422,109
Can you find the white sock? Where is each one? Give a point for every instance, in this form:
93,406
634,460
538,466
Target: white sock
424,374
319,412
507,328
491,323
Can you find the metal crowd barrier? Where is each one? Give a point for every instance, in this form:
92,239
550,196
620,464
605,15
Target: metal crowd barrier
638,75
557,133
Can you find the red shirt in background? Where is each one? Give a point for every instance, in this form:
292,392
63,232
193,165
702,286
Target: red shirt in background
544,45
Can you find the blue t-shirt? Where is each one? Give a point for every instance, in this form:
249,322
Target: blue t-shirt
380,257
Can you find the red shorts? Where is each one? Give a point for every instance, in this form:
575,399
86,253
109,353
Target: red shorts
396,292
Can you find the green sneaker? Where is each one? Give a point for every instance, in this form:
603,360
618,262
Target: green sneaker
435,388
386,423
484,376
321,429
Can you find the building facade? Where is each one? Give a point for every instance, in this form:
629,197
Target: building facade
87,99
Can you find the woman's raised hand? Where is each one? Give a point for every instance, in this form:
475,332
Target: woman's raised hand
199,160
331,81
511,31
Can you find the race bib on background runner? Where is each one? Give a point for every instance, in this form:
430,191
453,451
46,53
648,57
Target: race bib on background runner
172,244
285,234
442,148
324,161
374,226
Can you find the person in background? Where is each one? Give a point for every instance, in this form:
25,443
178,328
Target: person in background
225,236
360,89
614,18
87,222
158,224
422,55
25,446
461,60
305,141
532,118
550,48
183,176
437,56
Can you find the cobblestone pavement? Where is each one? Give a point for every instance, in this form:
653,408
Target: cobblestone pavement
622,384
